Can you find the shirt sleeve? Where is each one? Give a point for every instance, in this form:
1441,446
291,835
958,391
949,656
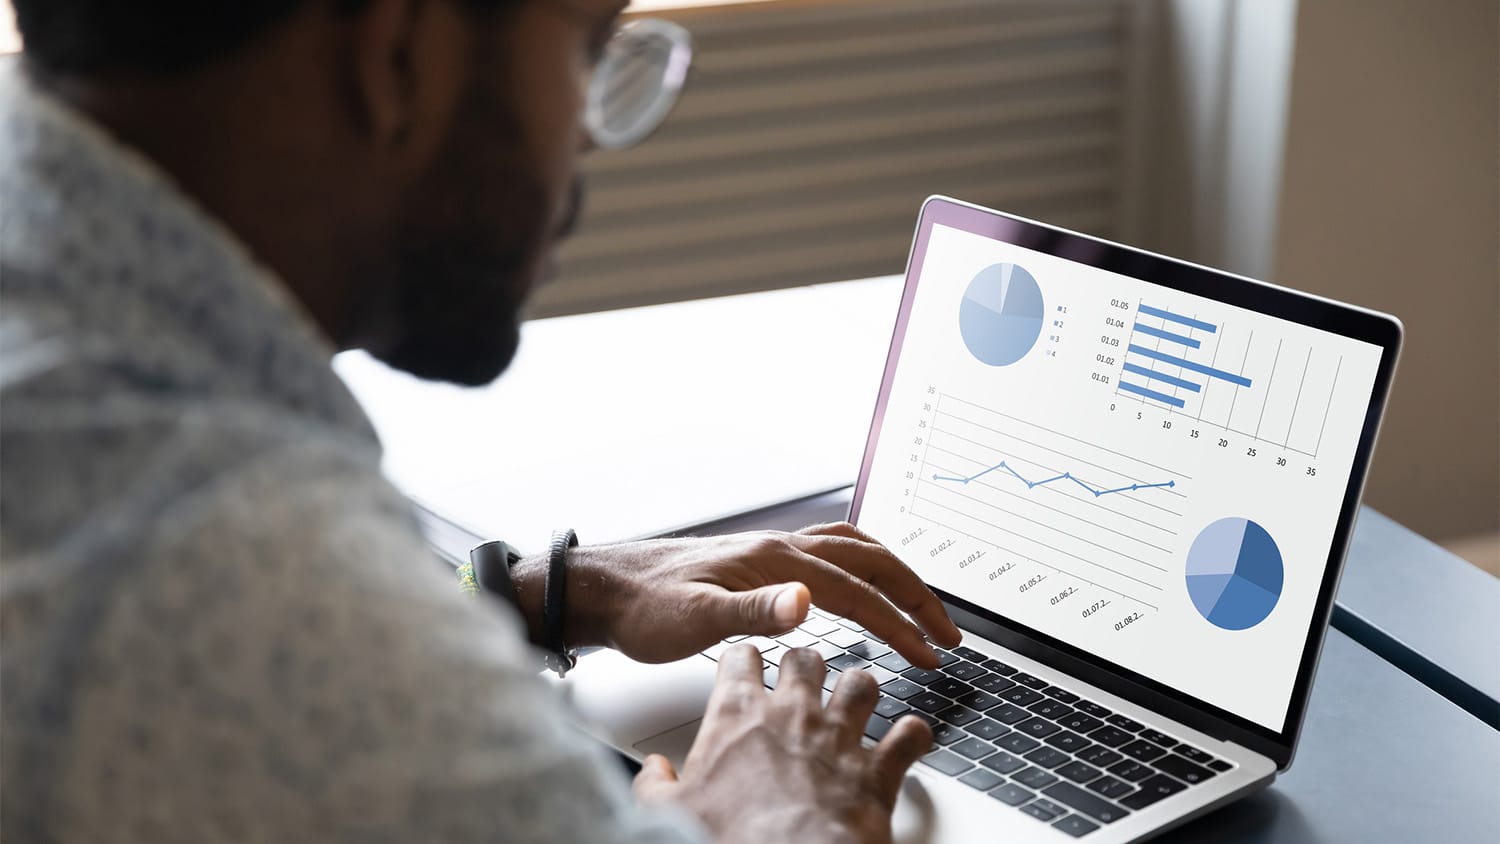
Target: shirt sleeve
291,663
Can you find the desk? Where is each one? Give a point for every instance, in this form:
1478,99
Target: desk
705,407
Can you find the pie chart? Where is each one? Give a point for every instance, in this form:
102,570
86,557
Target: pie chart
1001,315
1234,574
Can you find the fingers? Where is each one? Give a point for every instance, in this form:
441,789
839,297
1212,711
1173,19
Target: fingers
852,702
768,611
739,684
851,549
801,676
845,594
907,742
656,781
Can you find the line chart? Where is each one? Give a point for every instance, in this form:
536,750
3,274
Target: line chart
1065,476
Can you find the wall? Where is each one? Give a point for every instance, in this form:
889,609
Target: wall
1391,198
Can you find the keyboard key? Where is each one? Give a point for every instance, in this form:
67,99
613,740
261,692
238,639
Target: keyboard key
1002,762
1078,772
819,612
949,687
1061,694
1125,723
1131,770
993,683
1020,696
1029,681
949,763
964,670
998,667
1080,723
796,639
944,734
761,643
881,675
869,650
988,728
876,639
816,626
1110,736
929,702
978,700
922,676
774,655
901,688
1075,825
830,679
894,662
972,748
1017,743
772,674
1046,757
846,662
1189,772
945,659
960,715
1193,754
1038,727
1041,810
1090,708
849,625
1160,738
1011,794
1110,787
890,707
1069,741
1034,778
1007,713
981,779
827,650
1145,751
877,727
1089,804
844,638
1054,709
969,653
1152,789
1219,765
1100,756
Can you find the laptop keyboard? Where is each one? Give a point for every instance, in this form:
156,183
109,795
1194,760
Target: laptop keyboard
1050,753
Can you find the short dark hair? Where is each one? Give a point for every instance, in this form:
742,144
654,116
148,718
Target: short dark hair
151,36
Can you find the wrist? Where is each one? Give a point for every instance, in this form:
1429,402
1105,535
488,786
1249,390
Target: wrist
586,618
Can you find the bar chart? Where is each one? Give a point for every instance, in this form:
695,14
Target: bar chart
1266,388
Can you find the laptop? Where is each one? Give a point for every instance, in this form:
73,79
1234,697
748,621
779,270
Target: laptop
1132,480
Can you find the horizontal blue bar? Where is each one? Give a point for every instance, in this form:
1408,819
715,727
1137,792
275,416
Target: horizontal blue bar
1151,394
1167,335
1178,318
1162,377
1187,364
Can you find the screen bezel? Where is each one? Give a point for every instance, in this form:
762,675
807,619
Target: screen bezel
1368,326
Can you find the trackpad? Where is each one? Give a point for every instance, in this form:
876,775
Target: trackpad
673,744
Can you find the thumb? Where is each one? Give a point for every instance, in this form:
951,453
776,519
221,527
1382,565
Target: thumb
657,779
768,610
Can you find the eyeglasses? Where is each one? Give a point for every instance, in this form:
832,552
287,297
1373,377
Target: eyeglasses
637,81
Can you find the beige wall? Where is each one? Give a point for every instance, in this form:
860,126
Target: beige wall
1391,199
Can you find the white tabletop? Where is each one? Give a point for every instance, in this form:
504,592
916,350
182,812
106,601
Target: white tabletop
627,423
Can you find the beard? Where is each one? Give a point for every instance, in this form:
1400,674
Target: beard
469,248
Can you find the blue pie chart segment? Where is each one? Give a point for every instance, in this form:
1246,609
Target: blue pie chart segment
1001,315
1234,574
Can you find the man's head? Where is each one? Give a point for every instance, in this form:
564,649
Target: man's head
407,166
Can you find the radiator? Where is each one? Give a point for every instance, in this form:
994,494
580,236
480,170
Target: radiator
810,133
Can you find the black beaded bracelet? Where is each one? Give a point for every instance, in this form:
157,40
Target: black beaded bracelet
554,603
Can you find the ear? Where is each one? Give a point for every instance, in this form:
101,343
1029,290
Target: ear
385,84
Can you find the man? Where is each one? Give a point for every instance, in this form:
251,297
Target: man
219,622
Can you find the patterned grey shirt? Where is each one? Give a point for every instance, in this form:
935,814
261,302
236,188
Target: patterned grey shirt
219,622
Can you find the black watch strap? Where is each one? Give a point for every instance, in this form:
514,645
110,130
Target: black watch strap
554,603
491,564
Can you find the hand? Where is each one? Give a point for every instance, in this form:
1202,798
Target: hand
661,600
781,767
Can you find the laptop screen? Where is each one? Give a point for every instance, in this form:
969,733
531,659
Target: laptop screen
1151,476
